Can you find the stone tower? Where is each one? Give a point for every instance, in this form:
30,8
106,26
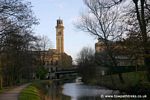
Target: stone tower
60,36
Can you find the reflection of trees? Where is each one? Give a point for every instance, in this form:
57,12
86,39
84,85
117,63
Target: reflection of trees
52,92
55,92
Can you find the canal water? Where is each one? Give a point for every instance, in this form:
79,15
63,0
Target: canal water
76,91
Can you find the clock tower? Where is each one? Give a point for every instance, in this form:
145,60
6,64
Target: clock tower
60,36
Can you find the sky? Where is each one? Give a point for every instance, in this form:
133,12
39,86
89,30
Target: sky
48,11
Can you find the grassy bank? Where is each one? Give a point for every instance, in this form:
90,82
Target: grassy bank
130,79
35,91
30,93
133,82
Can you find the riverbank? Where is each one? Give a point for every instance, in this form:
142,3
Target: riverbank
30,93
35,91
134,82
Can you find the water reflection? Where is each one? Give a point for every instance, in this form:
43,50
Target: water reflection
84,92
73,91
55,92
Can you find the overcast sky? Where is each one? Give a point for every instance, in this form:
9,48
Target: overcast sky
48,11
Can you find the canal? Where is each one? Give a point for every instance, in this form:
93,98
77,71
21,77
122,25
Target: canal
76,91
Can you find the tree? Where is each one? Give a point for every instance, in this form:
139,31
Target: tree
16,12
41,72
143,23
16,40
86,65
102,22
45,45
142,12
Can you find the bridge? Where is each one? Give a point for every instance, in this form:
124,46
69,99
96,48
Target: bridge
62,73
65,73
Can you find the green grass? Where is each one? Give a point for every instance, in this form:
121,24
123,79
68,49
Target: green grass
35,91
30,93
130,79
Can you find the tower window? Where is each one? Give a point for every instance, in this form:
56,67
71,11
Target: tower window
59,33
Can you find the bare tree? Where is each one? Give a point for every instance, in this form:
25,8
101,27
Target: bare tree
142,12
44,45
86,65
86,54
16,40
16,12
102,22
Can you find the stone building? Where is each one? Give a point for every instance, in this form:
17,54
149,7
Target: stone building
99,46
119,52
57,57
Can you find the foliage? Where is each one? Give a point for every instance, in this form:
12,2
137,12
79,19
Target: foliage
17,42
125,69
86,65
135,82
41,72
